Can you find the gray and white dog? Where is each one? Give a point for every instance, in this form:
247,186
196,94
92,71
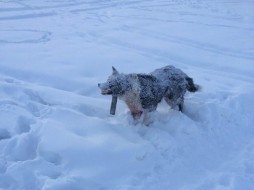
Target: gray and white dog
143,92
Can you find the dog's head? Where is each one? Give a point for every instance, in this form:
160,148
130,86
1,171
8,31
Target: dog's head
115,85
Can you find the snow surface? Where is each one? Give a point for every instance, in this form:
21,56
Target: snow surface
56,132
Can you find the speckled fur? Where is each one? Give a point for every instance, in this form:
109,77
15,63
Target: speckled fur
143,92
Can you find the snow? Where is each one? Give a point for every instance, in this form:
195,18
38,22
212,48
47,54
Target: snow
56,132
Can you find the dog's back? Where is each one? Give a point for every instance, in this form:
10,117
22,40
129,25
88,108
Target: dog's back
150,91
175,78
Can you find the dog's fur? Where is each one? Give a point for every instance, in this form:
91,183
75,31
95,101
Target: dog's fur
143,92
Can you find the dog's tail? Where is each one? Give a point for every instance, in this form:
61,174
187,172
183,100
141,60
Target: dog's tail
191,86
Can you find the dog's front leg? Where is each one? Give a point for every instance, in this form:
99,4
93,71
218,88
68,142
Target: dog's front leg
136,115
136,118
147,120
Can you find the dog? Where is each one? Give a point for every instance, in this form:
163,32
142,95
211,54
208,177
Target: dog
143,92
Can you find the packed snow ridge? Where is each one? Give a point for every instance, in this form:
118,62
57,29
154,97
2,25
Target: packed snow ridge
56,132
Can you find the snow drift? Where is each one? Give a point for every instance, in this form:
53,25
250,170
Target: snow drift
56,132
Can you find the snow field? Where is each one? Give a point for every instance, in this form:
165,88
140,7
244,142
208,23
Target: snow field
55,129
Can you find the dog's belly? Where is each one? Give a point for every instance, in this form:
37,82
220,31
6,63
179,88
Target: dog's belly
135,110
132,100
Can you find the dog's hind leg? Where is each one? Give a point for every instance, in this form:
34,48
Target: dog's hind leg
180,102
176,104
170,101
180,107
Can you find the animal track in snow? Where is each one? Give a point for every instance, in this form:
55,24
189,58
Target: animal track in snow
22,147
24,36
50,156
2,165
4,134
24,124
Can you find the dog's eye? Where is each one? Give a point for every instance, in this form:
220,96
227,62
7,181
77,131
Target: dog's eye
110,85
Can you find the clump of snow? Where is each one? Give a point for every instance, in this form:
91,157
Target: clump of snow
56,132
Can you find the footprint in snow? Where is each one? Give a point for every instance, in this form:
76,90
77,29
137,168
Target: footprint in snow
22,147
3,165
51,157
24,124
36,105
4,134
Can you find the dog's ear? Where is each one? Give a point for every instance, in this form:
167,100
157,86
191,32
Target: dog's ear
115,72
